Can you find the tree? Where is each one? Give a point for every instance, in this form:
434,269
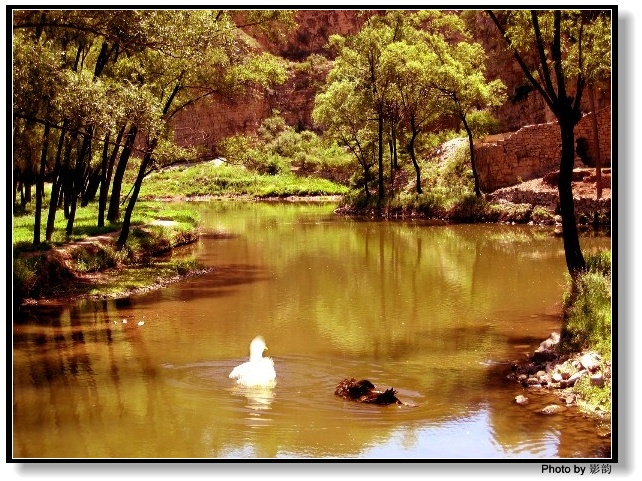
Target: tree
409,66
204,54
343,112
461,88
97,75
559,52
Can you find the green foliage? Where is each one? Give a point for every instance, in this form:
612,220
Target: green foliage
279,149
86,73
482,122
207,179
593,396
413,71
587,310
184,266
600,263
39,275
96,257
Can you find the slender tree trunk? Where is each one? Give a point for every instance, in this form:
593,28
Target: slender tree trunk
26,186
77,181
104,186
471,146
574,258
16,184
381,191
395,157
124,233
596,144
40,186
55,185
366,177
114,203
67,190
415,164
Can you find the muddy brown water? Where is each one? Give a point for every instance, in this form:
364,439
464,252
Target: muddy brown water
433,311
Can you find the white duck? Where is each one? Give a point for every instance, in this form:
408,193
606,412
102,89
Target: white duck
259,370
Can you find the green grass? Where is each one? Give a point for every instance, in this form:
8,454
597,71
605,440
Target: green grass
207,179
86,219
143,276
587,311
40,272
593,396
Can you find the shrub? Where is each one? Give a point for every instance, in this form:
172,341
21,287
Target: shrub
96,257
587,311
593,395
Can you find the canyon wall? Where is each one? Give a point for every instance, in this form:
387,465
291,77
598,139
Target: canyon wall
209,122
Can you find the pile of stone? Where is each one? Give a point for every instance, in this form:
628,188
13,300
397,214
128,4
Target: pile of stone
547,368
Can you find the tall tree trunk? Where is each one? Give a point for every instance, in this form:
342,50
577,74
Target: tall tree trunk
415,164
124,233
40,186
77,180
596,144
381,191
149,151
574,258
26,187
471,146
106,180
113,212
55,185
17,185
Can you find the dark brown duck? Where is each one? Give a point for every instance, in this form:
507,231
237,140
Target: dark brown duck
364,391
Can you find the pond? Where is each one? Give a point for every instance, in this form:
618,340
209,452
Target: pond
435,311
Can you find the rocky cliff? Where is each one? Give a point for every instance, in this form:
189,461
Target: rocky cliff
309,61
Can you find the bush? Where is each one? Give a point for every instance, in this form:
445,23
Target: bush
39,275
587,311
593,395
96,257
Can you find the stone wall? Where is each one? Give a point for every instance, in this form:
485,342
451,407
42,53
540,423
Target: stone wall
534,150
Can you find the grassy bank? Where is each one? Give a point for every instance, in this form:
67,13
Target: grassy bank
88,264
210,179
587,327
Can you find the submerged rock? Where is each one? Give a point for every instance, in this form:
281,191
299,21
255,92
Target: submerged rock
521,400
552,409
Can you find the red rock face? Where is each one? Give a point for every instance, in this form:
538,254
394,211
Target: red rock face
209,122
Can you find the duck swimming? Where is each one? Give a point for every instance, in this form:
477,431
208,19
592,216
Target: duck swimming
364,391
259,370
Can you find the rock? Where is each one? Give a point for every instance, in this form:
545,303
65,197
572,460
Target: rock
570,398
575,377
590,361
521,400
550,343
597,380
542,357
557,377
552,409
